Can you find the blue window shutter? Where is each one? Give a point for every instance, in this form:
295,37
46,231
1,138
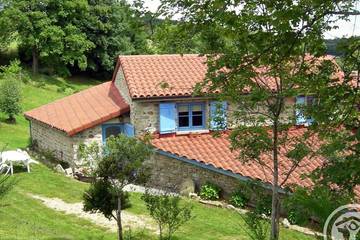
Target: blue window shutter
300,118
218,119
129,130
167,117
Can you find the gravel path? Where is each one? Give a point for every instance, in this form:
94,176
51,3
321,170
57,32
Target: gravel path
129,220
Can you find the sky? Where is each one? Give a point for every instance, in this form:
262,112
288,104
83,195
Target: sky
345,28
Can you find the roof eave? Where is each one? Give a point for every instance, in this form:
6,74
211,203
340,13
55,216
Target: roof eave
215,169
73,132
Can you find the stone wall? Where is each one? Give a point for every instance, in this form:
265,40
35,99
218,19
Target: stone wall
51,139
121,85
287,116
171,174
145,114
63,146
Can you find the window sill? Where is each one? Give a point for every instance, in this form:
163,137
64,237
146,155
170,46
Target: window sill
192,132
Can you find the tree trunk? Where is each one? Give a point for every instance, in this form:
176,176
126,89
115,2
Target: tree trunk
11,119
160,230
118,219
35,60
275,193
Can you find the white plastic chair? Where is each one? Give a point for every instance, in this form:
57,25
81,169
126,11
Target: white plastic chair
4,168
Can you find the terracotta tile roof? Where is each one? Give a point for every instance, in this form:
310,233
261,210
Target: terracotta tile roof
162,75
82,110
176,75
214,151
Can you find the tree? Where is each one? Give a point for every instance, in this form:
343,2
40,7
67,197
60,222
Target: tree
261,53
257,227
115,28
169,38
337,122
89,154
167,212
10,90
49,30
10,96
122,163
100,198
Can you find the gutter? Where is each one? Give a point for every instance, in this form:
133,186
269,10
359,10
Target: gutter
217,170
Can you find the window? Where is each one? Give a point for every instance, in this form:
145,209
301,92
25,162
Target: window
191,116
218,119
302,102
109,130
114,129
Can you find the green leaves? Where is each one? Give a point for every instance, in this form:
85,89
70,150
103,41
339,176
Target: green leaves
10,91
51,28
81,34
123,160
168,212
101,198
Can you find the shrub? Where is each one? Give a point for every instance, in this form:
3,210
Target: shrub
317,203
239,198
167,212
263,205
257,228
10,97
89,154
210,191
100,198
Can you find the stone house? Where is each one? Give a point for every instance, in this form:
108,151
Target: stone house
154,94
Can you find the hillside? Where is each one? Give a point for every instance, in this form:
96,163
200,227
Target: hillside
23,217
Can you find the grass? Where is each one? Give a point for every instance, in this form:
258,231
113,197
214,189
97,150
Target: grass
26,218
38,91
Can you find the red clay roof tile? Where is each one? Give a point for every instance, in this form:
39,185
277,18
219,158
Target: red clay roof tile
82,110
175,75
146,75
215,151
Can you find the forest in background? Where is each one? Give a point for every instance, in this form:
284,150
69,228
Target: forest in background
86,36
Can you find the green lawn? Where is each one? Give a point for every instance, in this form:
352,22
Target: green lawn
39,91
25,218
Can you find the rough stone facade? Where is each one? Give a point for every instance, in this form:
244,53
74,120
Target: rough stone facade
121,84
287,116
145,114
51,139
63,146
170,174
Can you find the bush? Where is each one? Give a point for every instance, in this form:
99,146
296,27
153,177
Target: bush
257,228
317,203
100,198
239,198
10,96
210,191
167,212
263,205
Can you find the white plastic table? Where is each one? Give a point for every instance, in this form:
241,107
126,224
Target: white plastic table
12,157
